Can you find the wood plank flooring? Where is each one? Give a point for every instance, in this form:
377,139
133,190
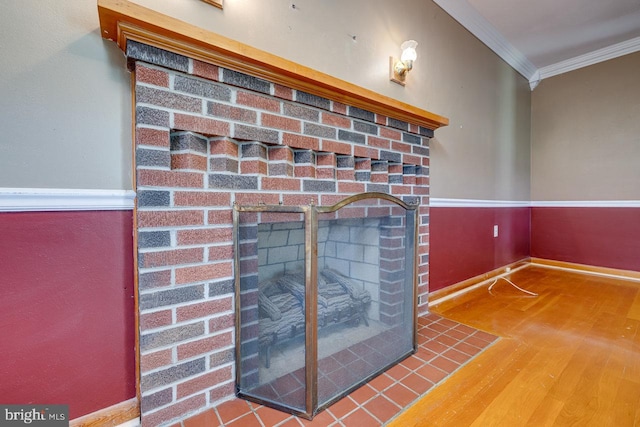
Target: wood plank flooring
568,357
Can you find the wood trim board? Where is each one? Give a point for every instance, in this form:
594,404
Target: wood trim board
112,416
589,269
448,292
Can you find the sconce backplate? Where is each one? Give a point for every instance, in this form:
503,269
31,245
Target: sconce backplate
394,76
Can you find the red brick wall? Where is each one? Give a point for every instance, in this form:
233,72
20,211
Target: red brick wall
207,137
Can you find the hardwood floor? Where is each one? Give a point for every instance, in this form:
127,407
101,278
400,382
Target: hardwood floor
568,357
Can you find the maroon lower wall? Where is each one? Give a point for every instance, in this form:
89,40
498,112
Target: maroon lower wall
66,280
67,309
462,245
599,236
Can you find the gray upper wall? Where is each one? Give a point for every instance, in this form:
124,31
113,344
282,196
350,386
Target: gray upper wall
586,133
67,92
64,97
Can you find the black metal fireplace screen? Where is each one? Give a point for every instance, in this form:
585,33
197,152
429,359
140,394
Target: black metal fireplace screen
325,298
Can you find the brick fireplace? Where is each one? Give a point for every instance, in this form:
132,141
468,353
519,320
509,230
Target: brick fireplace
208,136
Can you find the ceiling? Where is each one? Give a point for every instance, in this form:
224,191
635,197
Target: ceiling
543,38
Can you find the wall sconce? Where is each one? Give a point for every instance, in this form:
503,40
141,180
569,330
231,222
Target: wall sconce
398,69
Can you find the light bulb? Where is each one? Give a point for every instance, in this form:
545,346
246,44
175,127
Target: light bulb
409,50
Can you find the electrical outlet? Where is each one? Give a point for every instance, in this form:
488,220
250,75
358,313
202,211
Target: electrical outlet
495,230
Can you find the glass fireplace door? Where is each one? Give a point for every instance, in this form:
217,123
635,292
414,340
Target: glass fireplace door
325,298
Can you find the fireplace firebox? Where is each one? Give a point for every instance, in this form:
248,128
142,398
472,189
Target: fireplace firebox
325,298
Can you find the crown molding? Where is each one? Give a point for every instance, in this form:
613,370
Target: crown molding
600,55
469,18
55,199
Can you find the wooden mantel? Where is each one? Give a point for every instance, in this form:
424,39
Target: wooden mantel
121,20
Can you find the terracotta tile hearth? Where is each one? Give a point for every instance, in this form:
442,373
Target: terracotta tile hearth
443,347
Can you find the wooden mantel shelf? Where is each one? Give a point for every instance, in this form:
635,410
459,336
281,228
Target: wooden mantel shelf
121,20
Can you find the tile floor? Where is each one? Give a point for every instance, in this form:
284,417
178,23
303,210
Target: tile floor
338,371
443,347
